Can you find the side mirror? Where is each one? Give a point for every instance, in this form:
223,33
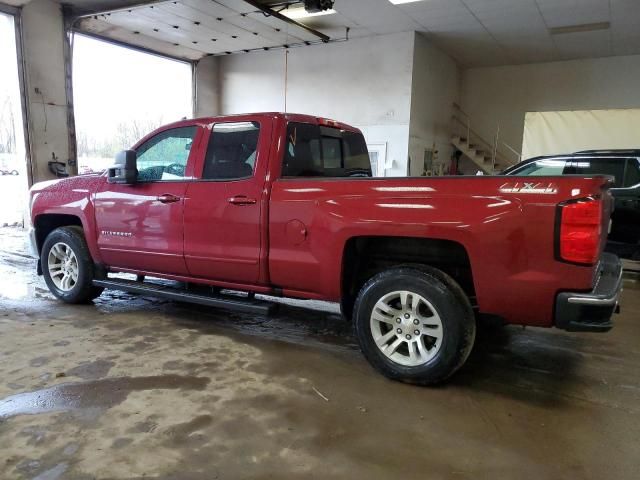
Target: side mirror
125,171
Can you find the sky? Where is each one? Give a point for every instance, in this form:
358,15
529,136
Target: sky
113,84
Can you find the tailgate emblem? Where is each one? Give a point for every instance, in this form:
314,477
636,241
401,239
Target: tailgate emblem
529,187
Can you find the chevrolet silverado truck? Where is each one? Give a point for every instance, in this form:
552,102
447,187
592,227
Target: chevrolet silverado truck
285,205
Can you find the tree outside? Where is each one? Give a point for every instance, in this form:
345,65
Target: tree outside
96,153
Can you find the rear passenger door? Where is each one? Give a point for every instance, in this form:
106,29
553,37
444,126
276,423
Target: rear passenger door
224,206
298,254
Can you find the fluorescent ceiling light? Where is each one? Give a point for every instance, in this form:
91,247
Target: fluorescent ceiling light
400,2
585,27
297,13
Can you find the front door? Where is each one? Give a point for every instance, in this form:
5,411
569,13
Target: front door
140,227
223,208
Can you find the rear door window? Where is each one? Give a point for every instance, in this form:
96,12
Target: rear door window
602,166
318,151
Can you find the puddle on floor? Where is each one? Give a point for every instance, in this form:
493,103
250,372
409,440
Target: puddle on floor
98,395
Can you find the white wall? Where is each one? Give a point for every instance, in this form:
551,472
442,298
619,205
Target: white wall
435,88
504,94
549,133
207,87
365,82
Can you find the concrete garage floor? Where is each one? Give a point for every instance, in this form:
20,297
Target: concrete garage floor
140,388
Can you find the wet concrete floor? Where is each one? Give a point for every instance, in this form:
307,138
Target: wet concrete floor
132,388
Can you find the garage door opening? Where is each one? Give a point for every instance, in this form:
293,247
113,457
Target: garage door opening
13,166
120,95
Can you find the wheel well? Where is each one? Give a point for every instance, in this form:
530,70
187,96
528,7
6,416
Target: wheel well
47,223
364,257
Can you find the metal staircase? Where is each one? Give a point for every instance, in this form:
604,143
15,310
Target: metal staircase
489,157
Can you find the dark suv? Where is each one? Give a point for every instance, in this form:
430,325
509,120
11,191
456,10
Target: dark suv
624,166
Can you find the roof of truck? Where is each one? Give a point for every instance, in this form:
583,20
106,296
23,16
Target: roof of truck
292,117
246,117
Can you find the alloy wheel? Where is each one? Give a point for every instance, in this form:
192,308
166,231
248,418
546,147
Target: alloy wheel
63,266
406,328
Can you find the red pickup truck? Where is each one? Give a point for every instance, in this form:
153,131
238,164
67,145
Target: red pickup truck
285,205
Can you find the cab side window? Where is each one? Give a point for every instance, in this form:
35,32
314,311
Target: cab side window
232,151
319,151
302,157
332,152
164,157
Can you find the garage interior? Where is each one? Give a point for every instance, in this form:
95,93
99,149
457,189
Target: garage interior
134,387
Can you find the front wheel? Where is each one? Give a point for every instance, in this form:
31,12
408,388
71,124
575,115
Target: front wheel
414,324
67,266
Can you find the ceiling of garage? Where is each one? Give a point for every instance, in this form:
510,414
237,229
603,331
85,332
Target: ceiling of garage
501,32
194,28
474,32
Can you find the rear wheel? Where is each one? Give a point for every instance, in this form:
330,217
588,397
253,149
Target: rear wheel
67,266
414,324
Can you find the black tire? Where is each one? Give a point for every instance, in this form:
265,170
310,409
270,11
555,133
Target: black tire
452,306
83,291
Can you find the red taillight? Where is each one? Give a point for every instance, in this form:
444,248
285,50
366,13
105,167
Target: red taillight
580,230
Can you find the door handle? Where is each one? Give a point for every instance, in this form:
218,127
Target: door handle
167,198
241,200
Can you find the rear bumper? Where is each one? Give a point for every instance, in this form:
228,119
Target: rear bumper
592,311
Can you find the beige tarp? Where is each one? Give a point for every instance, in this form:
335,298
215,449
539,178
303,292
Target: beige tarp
550,133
